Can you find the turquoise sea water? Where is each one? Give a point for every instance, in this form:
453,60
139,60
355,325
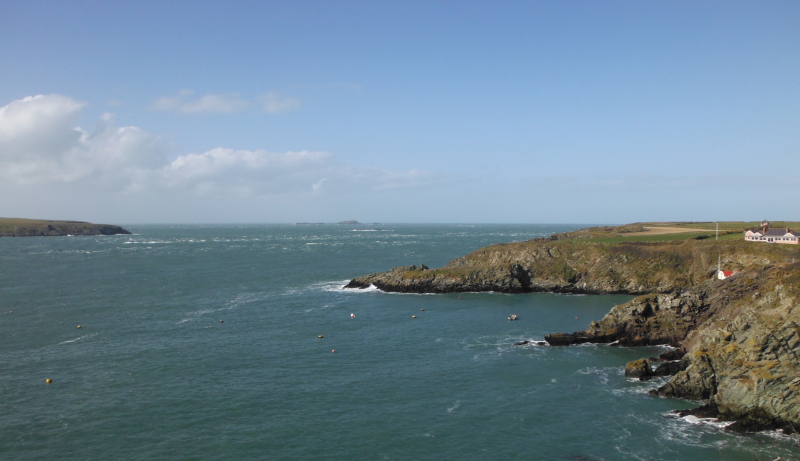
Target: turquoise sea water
201,342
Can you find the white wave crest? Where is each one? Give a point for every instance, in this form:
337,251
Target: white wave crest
454,407
77,339
691,419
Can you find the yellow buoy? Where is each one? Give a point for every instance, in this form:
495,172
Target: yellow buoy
320,336
413,316
48,380
221,321
79,326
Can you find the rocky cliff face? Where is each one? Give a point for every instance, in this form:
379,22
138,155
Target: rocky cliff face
739,337
745,359
570,266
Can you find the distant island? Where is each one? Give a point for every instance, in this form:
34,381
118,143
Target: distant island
730,307
21,227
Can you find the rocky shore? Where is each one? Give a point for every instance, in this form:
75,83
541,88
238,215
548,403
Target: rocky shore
737,340
17,227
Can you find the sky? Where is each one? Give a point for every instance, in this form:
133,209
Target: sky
400,111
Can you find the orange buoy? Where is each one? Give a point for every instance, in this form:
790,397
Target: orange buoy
352,316
48,381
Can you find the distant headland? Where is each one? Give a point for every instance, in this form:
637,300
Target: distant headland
21,227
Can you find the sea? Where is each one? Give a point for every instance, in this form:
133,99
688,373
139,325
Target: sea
238,342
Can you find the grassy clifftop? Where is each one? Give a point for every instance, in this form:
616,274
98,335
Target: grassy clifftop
636,259
20,227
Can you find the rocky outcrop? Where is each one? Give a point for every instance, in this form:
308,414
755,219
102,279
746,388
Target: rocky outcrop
745,361
574,266
742,342
737,340
38,228
639,369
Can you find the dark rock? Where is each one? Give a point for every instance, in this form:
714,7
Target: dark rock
668,369
708,410
672,354
567,339
639,369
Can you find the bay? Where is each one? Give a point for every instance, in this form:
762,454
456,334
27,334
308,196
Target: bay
202,342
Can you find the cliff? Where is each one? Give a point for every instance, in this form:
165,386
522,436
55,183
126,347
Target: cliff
738,339
18,227
577,266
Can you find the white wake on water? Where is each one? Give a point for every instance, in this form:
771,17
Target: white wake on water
77,339
454,407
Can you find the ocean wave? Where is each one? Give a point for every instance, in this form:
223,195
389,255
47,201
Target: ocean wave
242,298
78,339
454,407
602,374
713,422
684,430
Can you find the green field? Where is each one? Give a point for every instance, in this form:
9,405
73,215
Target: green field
728,230
8,224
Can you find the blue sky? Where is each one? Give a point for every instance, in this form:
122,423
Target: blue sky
541,112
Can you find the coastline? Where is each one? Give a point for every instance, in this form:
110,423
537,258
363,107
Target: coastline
22,227
738,337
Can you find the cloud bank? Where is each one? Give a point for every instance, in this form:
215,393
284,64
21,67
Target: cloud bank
186,103
40,144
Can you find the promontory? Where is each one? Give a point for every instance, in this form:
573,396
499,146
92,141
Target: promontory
20,227
728,306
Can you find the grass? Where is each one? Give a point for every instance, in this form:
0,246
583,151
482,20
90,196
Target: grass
8,224
654,238
736,226
728,230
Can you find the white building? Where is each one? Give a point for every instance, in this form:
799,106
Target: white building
778,235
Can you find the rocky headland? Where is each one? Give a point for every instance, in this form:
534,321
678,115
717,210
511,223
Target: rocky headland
737,340
19,227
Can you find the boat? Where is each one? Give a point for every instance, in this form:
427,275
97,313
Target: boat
512,317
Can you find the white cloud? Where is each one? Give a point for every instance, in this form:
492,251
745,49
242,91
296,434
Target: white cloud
40,144
267,173
38,126
184,103
276,103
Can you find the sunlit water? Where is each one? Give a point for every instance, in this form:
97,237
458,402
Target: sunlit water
201,342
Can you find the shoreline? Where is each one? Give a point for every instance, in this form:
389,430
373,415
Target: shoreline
745,367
